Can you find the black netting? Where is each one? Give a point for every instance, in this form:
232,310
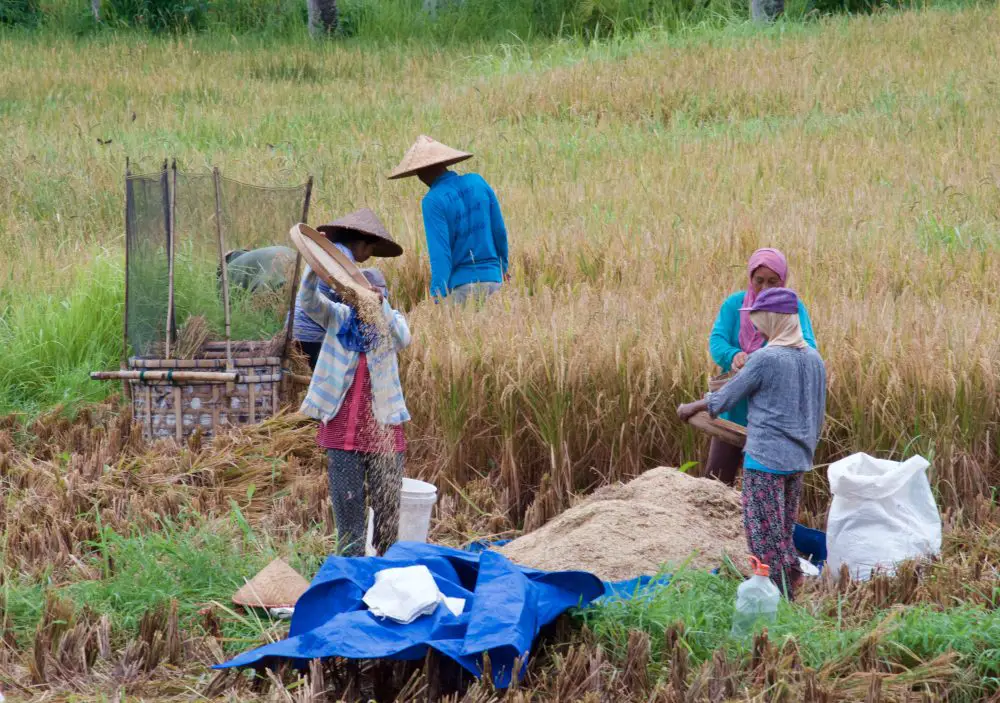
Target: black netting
147,243
253,219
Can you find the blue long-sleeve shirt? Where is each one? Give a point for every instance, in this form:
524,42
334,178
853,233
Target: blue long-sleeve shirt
724,344
466,234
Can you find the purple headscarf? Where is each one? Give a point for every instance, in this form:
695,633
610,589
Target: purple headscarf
750,339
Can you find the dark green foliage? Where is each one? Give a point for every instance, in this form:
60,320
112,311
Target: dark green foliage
20,13
158,15
829,7
271,16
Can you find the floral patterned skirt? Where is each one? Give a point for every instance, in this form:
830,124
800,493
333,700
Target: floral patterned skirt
770,508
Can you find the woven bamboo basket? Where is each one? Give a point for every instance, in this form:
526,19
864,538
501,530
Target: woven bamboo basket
178,397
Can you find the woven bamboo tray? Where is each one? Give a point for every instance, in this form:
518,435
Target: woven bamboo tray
336,270
728,432
717,382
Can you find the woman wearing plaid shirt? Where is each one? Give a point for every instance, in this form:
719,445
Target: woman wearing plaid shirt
357,397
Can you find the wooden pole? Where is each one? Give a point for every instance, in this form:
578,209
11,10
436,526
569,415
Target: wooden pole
171,211
129,207
217,179
178,414
295,281
167,375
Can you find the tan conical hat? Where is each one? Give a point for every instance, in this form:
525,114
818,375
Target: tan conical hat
276,586
366,222
427,152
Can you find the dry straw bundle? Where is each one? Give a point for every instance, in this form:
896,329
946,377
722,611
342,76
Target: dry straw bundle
191,337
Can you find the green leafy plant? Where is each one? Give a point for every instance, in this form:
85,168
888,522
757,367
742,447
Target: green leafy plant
20,13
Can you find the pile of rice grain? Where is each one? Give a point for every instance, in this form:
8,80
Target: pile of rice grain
627,530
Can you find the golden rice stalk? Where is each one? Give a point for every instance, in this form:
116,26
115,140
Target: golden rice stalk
191,337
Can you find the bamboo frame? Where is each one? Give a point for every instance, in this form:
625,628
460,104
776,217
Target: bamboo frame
210,363
123,361
169,376
171,213
215,406
217,181
230,382
178,414
295,281
197,401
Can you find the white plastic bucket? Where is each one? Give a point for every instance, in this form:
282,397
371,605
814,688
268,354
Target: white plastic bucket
416,501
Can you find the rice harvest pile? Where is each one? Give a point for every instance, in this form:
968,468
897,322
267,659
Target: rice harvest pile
636,176
620,532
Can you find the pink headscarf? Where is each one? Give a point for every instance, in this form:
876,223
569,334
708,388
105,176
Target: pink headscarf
750,339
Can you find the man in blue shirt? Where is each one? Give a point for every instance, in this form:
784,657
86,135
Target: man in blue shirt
466,235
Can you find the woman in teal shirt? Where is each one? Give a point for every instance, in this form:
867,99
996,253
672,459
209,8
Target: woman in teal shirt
732,341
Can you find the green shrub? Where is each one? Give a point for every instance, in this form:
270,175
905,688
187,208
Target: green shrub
270,16
355,14
465,20
20,13
158,15
829,7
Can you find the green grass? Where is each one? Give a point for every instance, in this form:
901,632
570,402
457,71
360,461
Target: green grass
50,342
704,604
394,21
200,562
192,559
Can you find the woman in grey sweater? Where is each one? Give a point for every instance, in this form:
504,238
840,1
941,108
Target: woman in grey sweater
785,387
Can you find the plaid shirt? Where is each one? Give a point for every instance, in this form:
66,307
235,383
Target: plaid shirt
336,365
354,428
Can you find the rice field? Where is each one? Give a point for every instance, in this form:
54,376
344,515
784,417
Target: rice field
636,175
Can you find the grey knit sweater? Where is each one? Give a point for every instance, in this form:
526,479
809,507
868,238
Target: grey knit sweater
786,392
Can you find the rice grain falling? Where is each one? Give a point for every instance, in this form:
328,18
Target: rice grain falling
384,479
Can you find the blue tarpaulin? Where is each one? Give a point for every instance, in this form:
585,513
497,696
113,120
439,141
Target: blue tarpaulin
810,542
506,606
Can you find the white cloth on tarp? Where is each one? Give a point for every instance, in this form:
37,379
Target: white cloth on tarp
883,512
407,593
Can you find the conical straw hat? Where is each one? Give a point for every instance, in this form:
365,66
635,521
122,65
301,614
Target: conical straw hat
276,586
366,222
427,152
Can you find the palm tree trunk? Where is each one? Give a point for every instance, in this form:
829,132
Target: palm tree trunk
766,10
323,17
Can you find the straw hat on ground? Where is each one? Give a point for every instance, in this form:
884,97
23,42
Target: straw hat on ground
427,152
364,222
276,586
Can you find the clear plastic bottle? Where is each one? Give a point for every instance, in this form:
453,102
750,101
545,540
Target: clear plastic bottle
756,599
